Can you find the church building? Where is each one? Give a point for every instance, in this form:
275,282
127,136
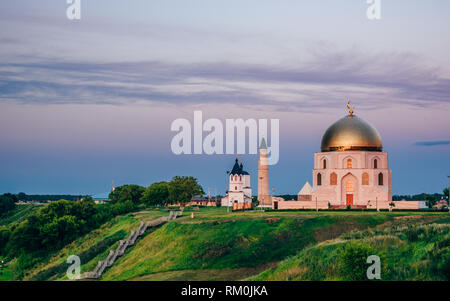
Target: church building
239,194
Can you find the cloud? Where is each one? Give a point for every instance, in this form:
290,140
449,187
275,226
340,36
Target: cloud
432,142
326,80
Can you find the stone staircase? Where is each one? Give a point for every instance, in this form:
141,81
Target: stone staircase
124,244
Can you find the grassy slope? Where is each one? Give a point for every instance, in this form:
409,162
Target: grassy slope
216,240
215,245
91,247
6,274
18,214
408,252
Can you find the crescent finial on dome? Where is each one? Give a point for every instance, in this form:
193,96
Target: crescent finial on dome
350,109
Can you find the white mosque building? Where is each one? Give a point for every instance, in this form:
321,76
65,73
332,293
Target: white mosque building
350,171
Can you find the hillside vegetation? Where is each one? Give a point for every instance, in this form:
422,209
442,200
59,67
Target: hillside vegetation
408,252
91,247
18,214
220,245
228,242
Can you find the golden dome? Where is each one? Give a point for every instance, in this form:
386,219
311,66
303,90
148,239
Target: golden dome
351,133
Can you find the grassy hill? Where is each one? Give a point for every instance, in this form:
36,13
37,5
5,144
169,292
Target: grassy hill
91,247
230,246
408,252
221,245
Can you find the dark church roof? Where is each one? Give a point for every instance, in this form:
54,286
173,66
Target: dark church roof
200,198
238,169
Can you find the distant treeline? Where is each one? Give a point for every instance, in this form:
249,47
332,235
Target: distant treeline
47,197
288,197
418,197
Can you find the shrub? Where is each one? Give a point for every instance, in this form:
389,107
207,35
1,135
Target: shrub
412,234
4,237
443,266
352,260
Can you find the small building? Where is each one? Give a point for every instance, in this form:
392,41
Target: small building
441,204
198,200
305,194
100,200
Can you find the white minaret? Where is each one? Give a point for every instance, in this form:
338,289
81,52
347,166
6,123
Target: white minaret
264,198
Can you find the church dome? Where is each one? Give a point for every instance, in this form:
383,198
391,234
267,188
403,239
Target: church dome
351,133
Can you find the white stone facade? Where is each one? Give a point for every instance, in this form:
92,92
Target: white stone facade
355,178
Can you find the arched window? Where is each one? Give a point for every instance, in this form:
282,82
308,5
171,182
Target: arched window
349,186
235,187
240,178
349,163
324,163
319,179
235,177
365,178
375,163
380,179
333,179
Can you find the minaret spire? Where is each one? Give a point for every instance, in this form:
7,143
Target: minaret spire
263,144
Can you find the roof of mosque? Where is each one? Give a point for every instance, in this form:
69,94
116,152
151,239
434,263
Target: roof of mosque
351,133
306,190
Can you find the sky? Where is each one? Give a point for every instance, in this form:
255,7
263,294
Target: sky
90,101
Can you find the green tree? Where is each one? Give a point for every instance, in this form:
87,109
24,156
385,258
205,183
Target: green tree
182,189
127,192
21,196
54,225
156,194
122,207
430,201
88,198
446,192
26,236
7,202
61,230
